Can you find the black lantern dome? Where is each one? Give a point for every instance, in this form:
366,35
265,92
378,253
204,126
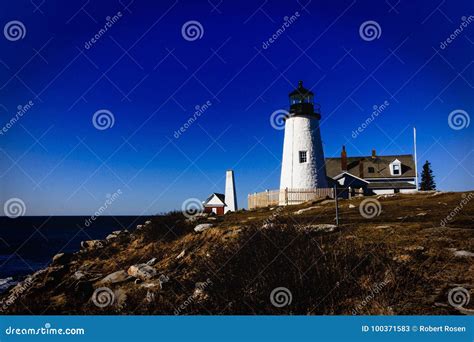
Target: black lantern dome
302,102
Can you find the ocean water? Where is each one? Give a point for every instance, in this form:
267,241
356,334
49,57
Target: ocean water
27,244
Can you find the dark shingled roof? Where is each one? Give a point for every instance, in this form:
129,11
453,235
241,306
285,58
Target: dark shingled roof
381,165
220,196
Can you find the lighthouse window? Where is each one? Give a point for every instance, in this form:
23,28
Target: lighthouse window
303,158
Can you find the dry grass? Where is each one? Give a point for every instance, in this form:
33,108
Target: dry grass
404,267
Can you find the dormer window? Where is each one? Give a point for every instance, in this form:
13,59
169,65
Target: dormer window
396,168
371,169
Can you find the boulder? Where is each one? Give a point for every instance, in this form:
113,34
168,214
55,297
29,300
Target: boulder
111,237
62,258
382,227
163,279
92,244
180,255
200,293
301,211
116,234
319,228
421,214
142,271
268,225
151,262
115,277
197,216
147,223
202,227
155,285
78,275
463,254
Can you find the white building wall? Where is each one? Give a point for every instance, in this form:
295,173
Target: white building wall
302,133
383,191
408,191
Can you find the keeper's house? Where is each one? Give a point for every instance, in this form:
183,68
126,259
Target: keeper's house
374,174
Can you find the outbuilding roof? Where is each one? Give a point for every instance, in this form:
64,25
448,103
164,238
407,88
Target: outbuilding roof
221,198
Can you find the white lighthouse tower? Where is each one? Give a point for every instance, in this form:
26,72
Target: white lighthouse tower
303,157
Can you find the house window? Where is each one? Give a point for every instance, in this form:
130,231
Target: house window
371,170
303,158
396,169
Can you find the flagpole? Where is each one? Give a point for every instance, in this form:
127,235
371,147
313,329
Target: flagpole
416,161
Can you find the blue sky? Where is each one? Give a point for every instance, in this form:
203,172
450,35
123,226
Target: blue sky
151,79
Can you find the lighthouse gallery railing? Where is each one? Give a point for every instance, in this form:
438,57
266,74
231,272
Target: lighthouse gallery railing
271,198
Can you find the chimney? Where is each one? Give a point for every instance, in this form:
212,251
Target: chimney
343,159
374,154
230,198
361,169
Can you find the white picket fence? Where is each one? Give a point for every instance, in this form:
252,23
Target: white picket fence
287,196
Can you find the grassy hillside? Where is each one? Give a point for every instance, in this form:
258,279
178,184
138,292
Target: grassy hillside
404,260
